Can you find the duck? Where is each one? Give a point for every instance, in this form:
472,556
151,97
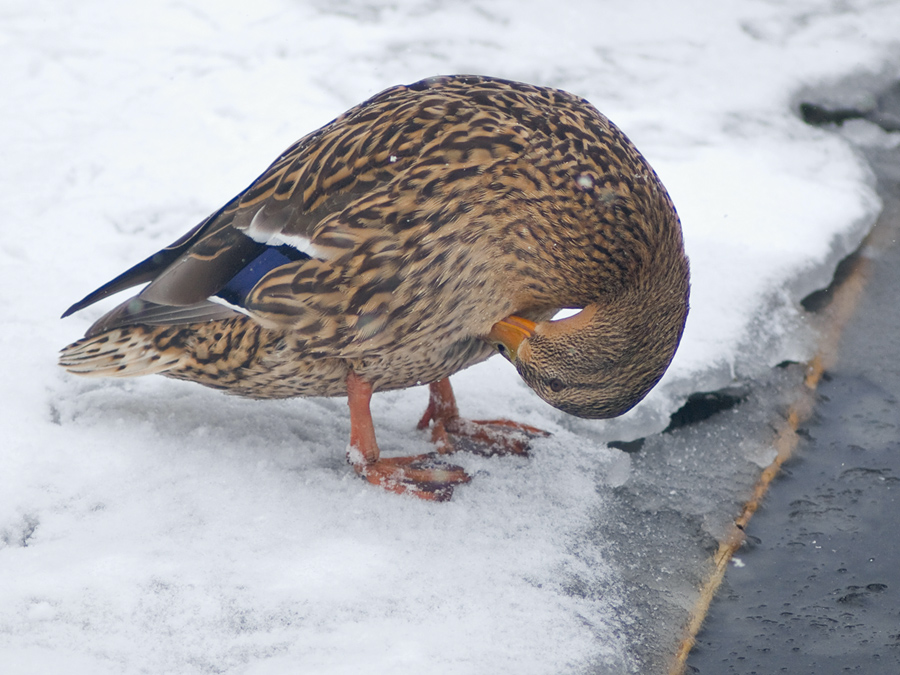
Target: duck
419,233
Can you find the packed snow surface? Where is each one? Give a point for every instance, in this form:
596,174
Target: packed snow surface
153,526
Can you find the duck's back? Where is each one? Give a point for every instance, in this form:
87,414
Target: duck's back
388,241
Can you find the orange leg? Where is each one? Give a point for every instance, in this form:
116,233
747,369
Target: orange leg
488,437
423,476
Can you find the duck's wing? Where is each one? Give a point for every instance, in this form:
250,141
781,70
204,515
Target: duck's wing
334,195
317,176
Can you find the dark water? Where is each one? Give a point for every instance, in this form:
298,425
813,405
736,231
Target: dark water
819,590
817,586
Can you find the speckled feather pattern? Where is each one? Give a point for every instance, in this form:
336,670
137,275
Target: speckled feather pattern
433,211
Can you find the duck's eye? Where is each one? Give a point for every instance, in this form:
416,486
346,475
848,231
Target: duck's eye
556,385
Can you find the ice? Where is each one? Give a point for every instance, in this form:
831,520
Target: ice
155,526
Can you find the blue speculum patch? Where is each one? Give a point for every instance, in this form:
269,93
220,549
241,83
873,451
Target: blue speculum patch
267,259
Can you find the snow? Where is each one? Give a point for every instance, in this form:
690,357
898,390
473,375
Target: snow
156,526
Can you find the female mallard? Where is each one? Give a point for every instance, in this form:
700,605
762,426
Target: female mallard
406,240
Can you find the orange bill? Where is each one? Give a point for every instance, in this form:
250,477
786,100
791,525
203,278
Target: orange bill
508,334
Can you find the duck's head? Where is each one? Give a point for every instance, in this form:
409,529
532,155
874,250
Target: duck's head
600,362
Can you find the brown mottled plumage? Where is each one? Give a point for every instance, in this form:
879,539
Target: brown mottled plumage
408,239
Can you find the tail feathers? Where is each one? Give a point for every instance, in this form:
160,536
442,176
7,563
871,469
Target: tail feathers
121,352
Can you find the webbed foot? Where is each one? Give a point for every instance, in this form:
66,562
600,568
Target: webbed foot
452,433
422,476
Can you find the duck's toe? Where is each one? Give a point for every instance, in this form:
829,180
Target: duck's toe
484,437
423,476
452,433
